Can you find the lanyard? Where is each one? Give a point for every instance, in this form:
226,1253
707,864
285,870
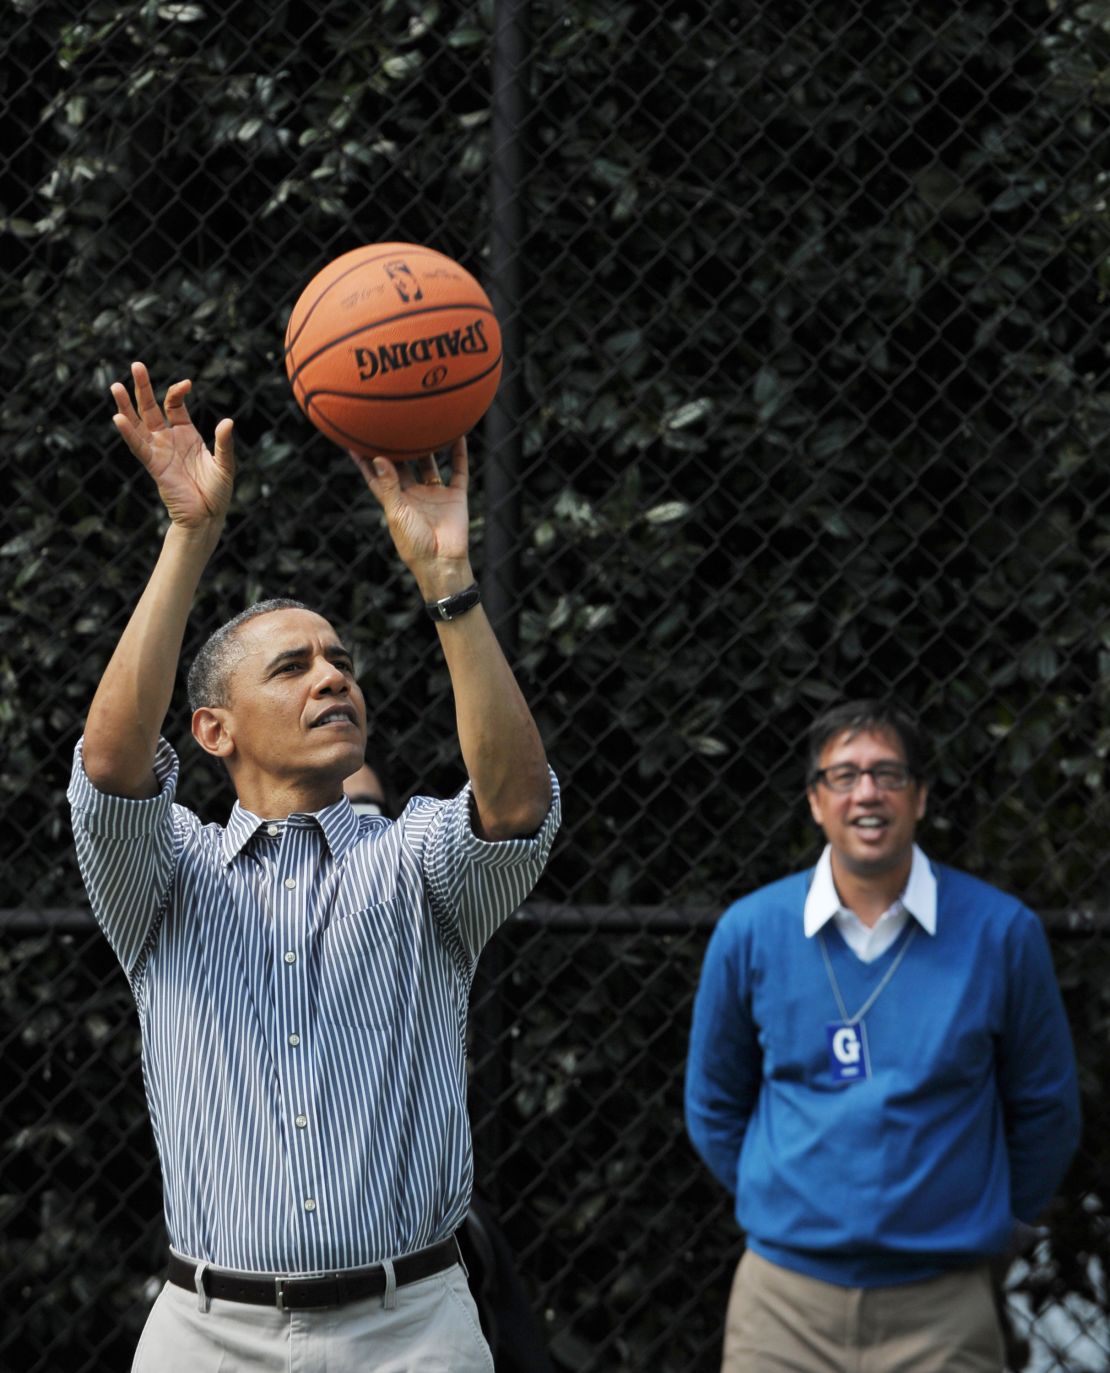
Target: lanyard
855,1019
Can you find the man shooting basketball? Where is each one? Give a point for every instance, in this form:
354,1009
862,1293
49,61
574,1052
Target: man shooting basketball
881,1072
302,973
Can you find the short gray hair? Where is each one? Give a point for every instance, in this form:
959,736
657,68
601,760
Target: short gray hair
209,680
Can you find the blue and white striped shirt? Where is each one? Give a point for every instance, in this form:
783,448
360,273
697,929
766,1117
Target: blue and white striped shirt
302,988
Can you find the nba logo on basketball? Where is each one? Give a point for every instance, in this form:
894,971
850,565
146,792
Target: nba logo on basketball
404,282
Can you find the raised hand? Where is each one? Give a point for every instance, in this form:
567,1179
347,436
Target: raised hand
429,521
195,485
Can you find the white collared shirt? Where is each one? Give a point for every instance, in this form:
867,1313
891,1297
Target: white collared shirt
869,942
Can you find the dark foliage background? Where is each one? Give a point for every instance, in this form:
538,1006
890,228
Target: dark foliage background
810,397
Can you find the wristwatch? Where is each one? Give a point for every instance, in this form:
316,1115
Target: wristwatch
451,607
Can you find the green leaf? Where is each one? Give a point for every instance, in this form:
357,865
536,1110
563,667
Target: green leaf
667,512
690,413
181,14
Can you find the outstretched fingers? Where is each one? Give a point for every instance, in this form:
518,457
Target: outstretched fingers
146,404
130,435
133,430
428,468
460,463
125,410
224,446
365,466
174,407
380,474
145,412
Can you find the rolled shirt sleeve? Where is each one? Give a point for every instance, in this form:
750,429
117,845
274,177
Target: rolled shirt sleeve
475,884
126,851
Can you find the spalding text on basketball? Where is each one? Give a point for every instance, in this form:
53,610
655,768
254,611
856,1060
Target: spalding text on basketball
395,357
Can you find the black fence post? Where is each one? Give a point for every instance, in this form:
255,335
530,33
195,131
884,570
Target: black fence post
501,466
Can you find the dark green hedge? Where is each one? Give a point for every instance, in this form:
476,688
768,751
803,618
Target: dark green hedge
815,378
816,401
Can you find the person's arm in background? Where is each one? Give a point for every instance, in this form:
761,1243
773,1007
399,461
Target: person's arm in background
125,719
501,746
724,1062
1037,1076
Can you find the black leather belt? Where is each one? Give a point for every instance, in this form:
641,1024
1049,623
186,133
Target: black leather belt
305,1294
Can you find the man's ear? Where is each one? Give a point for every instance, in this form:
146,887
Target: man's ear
211,731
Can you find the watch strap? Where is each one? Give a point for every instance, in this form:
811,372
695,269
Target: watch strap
451,607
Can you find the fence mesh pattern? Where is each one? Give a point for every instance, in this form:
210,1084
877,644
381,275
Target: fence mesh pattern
805,395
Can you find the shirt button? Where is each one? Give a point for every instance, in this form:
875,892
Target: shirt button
290,882
301,1122
290,956
294,1040
309,1204
271,829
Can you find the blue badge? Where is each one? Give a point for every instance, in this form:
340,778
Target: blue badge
848,1057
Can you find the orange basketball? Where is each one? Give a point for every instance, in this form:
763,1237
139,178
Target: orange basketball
393,349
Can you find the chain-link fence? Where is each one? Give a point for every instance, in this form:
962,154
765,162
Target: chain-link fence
805,395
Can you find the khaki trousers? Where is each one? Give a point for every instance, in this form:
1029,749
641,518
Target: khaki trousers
433,1329
783,1322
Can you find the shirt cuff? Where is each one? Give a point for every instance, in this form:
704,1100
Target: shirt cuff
121,817
528,844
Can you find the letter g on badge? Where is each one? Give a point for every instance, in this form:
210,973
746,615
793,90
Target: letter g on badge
846,1045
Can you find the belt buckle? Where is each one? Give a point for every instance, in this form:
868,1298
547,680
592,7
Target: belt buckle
279,1293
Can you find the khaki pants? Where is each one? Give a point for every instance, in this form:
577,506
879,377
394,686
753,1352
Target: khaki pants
783,1322
433,1329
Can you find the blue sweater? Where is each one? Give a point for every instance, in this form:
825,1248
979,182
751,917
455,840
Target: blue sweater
970,1115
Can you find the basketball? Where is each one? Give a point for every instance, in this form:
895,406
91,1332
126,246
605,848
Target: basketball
393,349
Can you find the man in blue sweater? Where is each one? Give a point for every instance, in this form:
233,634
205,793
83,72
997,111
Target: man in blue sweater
881,1071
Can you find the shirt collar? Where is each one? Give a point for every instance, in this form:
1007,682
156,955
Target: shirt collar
919,897
338,822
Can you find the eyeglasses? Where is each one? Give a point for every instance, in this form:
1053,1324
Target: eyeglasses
845,776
